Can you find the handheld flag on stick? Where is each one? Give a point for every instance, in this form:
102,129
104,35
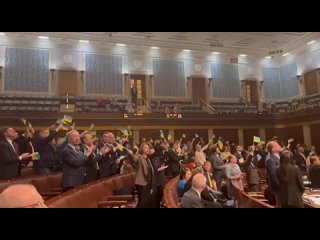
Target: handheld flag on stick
120,146
161,134
169,137
262,142
28,125
67,119
92,130
125,132
35,156
184,135
256,139
220,144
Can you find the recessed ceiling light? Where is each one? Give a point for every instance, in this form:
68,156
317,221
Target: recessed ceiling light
2,34
43,37
186,50
243,55
84,41
309,43
283,55
268,57
121,44
156,48
215,53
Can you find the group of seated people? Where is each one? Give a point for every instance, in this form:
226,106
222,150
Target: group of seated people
207,170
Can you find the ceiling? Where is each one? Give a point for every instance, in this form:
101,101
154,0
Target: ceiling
250,43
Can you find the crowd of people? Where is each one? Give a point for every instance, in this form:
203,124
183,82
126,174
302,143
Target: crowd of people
208,171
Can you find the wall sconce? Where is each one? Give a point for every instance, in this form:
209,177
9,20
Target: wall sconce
209,82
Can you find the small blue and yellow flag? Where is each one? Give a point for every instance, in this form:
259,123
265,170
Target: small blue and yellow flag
35,156
256,139
67,119
161,134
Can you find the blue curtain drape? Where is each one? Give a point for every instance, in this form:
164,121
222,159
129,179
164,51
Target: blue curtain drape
26,70
169,78
103,74
226,81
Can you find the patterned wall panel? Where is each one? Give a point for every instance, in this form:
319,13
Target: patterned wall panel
103,74
169,78
226,81
26,70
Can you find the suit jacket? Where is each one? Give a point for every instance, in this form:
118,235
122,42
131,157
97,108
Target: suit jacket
9,161
143,174
291,189
251,171
73,167
217,164
191,199
104,164
46,151
173,161
262,162
239,156
300,162
91,166
314,176
159,176
271,165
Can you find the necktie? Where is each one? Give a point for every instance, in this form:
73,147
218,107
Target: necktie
16,148
209,179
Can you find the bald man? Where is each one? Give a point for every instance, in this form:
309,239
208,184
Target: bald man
73,162
21,196
192,198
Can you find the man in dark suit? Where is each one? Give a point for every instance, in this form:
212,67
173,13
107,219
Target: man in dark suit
192,198
9,154
300,159
47,153
105,162
251,171
172,160
92,165
73,162
314,172
134,94
260,156
272,163
240,155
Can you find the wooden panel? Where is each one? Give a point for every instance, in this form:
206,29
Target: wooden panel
284,134
191,134
227,134
152,133
279,132
311,82
315,136
248,136
296,133
67,82
199,89
254,100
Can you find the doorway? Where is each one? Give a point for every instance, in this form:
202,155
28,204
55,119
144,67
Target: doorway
199,89
138,89
252,93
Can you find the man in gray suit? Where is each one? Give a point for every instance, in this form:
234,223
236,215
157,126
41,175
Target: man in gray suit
192,198
218,166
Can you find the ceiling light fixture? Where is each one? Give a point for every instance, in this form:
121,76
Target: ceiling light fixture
43,37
